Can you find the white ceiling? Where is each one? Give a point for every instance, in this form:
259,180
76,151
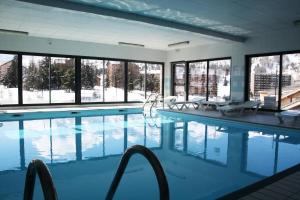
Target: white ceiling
237,17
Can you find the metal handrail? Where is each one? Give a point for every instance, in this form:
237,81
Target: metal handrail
38,167
155,164
147,100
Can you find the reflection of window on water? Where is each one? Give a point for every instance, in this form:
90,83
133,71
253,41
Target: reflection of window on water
9,146
92,134
66,139
201,141
268,154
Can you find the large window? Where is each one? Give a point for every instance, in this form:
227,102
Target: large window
8,79
92,80
275,80
58,79
207,79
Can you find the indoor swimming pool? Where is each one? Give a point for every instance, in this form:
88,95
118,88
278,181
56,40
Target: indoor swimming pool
203,158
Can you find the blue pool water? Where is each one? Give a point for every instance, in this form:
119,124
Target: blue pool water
203,158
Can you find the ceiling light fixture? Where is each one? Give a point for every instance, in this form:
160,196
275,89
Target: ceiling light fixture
131,44
297,22
184,43
6,31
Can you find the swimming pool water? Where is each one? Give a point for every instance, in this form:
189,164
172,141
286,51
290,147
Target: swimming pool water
203,158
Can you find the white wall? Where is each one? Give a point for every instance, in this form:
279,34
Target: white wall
67,47
280,41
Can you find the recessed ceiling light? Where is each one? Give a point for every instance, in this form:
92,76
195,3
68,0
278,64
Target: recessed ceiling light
131,44
6,31
177,44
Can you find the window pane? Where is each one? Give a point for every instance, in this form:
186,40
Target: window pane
179,81
197,79
35,79
154,79
264,80
136,81
290,82
219,80
62,80
92,80
8,79
114,81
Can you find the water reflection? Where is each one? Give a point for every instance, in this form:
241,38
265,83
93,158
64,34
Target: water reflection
262,153
201,140
77,138
258,152
269,153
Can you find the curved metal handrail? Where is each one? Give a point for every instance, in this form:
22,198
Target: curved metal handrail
155,164
38,167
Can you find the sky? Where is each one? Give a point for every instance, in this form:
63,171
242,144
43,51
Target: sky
5,58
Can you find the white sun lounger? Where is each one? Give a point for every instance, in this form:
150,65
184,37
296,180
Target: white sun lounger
172,103
206,104
288,113
239,107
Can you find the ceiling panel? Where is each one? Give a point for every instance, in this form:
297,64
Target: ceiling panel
228,16
241,18
64,24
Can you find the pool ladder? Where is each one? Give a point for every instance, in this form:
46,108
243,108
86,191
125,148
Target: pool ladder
49,191
152,100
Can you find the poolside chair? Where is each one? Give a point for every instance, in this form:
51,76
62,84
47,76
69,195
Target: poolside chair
252,105
212,104
288,113
169,101
172,103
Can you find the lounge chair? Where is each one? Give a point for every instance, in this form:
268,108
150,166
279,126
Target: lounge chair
288,113
172,103
206,104
252,105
